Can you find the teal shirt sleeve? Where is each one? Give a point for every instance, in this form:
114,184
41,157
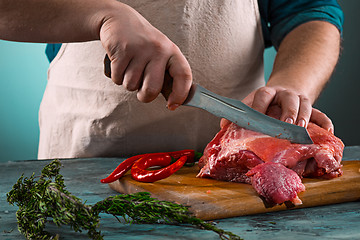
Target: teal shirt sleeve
51,50
278,18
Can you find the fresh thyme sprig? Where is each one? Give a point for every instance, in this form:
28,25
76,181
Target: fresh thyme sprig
45,199
141,208
48,198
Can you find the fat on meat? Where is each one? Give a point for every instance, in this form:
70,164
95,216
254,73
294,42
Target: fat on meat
239,155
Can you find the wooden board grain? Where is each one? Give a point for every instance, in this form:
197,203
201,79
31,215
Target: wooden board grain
211,199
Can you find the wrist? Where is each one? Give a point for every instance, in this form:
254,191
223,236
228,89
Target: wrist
102,13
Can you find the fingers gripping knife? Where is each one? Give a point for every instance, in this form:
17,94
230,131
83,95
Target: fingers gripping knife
235,111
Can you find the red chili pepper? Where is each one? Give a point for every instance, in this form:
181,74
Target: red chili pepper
188,152
126,165
145,162
139,172
121,169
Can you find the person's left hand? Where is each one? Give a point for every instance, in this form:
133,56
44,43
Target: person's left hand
286,105
305,59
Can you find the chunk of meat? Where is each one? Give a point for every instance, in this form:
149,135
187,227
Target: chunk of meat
234,151
235,167
276,183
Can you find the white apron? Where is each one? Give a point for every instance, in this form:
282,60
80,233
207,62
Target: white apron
84,114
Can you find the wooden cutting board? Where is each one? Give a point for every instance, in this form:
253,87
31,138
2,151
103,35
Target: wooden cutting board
211,199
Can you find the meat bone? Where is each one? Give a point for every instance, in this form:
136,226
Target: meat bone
234,110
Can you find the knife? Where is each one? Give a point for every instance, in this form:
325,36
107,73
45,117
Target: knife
235,111
245,116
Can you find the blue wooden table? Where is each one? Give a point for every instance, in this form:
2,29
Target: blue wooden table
82,178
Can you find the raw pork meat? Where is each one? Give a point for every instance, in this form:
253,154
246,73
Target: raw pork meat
273,166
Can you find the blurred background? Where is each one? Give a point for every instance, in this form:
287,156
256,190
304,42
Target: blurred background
23,72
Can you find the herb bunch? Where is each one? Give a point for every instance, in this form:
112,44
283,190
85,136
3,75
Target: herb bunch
45,198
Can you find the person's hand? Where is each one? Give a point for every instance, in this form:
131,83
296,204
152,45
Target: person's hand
140,54
286,105
303,64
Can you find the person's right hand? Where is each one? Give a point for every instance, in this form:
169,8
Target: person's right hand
140,54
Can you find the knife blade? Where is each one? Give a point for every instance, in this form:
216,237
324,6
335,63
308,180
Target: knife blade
351,153
244,116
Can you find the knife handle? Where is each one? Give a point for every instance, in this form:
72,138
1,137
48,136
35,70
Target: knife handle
107,66
167,85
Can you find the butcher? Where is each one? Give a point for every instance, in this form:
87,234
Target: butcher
218,44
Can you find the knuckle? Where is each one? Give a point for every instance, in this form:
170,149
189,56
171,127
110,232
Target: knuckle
265,91
304,99
128,49
288,93
146,95
117,81
173,47
115,50
150,93
185,75
130,86
305,114
159,46
291,111
155,45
